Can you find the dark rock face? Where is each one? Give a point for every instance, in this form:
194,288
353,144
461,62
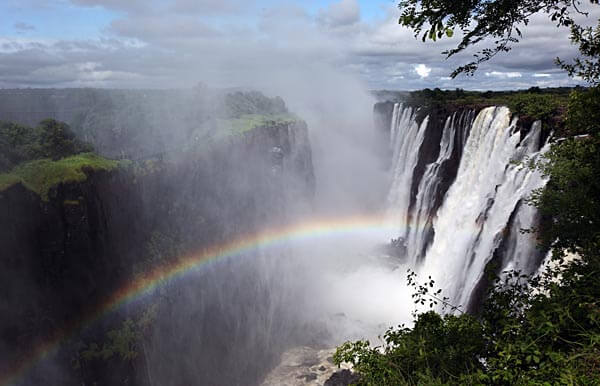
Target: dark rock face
63,256
343,378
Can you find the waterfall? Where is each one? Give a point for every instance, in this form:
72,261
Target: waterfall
420,232
406,137
481,211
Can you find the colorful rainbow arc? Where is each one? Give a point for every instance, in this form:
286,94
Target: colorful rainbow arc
307,230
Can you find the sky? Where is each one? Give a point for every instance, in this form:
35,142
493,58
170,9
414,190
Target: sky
227,43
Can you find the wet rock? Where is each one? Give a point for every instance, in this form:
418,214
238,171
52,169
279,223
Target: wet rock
342,378
308,377
302,366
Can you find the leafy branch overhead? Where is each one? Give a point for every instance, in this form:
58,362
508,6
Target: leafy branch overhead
501,21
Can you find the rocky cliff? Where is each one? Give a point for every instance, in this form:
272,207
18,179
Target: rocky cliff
63,255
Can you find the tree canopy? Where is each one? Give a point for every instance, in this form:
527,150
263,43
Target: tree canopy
50,139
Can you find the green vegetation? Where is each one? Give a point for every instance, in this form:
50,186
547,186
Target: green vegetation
51,139
40,175
548,105
126,342
530,331
584,112
572,197
123,342
249,122
7,180
536,106
434,349
44,156
245,111
535,102
238,104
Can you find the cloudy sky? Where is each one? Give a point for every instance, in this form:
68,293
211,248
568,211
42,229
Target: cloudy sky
180,43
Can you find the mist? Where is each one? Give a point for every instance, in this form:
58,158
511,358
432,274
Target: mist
230,321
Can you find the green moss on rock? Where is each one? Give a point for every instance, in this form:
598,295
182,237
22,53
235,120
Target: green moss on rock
7,180
41,175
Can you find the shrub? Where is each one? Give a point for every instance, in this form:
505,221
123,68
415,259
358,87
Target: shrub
534,105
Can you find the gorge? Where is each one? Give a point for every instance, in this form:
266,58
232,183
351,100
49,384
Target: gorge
233,225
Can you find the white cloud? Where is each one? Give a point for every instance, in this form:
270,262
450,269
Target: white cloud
500,74
170,43
422,70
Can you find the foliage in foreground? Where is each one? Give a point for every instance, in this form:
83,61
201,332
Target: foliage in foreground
531,330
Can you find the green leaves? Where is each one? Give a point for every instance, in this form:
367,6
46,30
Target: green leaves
583,115
436,348
122,342
572,197
535,106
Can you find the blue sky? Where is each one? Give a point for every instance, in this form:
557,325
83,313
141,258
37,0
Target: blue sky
132,43
64,20
370,10
55,21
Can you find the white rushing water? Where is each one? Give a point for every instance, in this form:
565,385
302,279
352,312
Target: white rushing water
421,218
483,207
406,139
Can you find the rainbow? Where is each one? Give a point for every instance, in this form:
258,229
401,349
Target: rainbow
301,231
